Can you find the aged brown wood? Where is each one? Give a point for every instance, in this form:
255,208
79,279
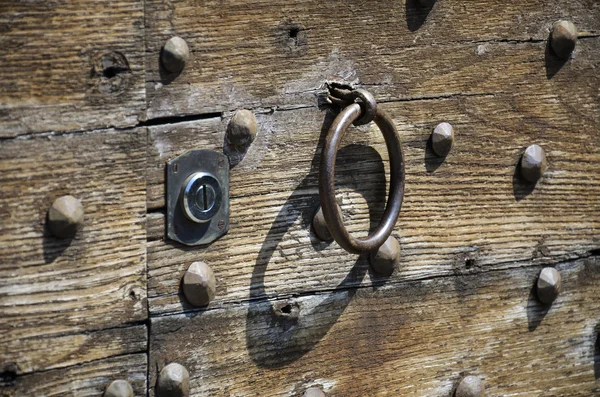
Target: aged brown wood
465,212
512,72
413,338
290,311
63,301
252,53
44,352
70,65
87,379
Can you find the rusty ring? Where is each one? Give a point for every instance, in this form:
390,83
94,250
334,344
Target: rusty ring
332,217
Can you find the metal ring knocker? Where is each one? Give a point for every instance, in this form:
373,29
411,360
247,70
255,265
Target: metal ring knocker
358,114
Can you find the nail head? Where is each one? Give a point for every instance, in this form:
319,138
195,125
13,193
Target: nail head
65,216
442,139
199,284
386,258
533,163
175,54
242,129
173,381
313,392
119,388
470,386
563,38
549,285
320,225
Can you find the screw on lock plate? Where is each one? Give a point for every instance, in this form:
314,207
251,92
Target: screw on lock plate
198,197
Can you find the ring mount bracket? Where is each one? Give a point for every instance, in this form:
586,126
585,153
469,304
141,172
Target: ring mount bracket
197,197
343,97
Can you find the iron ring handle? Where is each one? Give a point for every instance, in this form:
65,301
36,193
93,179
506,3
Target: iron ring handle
332,217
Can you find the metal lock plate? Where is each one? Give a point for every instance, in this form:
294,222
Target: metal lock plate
198,197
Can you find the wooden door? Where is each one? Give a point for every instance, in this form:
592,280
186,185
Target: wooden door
88,110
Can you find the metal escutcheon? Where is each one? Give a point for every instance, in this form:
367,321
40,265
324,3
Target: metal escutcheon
198,197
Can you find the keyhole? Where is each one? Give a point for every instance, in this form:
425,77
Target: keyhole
201,197
205,198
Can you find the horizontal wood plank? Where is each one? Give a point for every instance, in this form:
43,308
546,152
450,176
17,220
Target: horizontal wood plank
416,338
60,288
253,53
26,355
89,379
470,210
70,65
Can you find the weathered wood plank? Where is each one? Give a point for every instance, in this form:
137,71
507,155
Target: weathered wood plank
466,212
413,338
70,65
51,287
89,379
511,71
278,54
26,355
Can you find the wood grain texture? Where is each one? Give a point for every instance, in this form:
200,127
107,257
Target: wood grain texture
89,379
466,212
415,338
70,65
253,53
473,235
41,353
59,288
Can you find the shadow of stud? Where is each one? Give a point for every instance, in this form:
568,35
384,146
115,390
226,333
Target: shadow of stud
417,12
552,62
521,187
432,160
536,311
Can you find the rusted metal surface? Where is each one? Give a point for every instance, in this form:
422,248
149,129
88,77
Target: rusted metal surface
343,97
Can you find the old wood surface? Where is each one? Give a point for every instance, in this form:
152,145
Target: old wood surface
89,379
75,314
66,302
44,352
410,339
467,212
251,53
70,65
